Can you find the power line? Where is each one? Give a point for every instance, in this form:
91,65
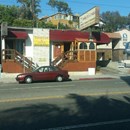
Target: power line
72,3
90,3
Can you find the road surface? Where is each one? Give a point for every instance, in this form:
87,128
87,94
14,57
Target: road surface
79,105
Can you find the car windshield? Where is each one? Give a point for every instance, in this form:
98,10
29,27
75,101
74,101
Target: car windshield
35,70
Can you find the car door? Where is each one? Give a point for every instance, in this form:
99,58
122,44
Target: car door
53,72
50,73
39,74
46,73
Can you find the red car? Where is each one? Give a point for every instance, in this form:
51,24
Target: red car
44,73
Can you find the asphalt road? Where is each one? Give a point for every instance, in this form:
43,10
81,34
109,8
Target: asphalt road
79,105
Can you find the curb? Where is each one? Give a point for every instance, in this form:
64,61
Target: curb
96,78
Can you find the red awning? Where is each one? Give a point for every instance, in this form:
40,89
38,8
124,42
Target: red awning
17,34
100,38
71,35
63,35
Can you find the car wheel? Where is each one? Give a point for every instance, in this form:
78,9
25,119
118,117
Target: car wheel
59,78
28,79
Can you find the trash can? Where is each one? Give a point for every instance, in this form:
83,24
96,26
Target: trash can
91,71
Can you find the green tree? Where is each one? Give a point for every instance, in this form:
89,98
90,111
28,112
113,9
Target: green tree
22,23
61,6
30,9
114,21
62,26
128,21
8,14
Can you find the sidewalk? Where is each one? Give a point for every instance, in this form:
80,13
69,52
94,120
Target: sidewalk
104,73
10,77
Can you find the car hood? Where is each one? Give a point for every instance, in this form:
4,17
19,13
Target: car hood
25,73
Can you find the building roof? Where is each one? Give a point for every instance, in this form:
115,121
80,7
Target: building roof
114,35
45,17
72,35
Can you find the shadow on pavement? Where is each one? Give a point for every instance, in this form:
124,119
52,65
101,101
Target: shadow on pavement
85,110
126,79
45,81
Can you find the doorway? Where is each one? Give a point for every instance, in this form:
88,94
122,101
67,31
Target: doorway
15,44
67,46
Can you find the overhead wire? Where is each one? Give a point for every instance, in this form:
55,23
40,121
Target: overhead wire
99,3
74,2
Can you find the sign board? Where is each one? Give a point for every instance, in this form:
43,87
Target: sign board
4,29
41,37
89,18
41,42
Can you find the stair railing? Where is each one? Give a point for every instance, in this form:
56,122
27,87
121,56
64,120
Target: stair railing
64,58
12,54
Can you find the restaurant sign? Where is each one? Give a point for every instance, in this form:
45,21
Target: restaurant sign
41,37
89,18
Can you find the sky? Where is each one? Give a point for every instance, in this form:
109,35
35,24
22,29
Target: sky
81,6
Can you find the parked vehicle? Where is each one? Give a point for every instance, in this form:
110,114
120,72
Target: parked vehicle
44,73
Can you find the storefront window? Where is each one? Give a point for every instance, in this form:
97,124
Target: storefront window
83,45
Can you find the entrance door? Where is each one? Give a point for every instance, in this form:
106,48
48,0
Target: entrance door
19,46
67,46
9,44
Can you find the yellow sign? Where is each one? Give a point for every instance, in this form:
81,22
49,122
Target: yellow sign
41,41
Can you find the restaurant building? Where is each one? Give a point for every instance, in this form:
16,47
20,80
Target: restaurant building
24,49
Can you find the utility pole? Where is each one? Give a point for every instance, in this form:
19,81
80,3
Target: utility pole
32,4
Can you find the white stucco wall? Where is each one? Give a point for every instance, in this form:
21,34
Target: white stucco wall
37,49
41,46
29,46
41,55
105,46
125,37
